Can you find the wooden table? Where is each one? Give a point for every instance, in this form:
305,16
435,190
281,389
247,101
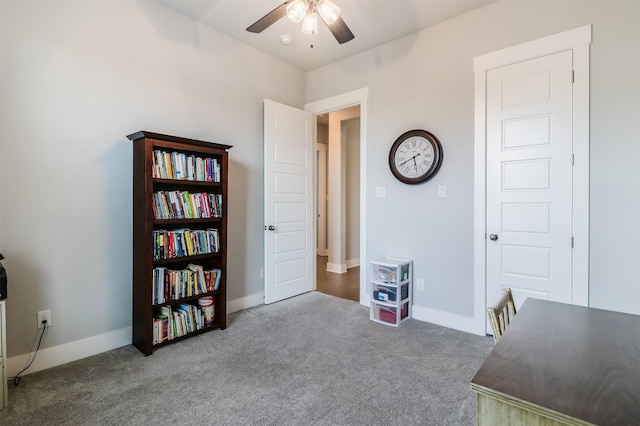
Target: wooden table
562,364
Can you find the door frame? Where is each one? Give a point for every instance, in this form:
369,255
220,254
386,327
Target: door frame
324,106
577,40
321,161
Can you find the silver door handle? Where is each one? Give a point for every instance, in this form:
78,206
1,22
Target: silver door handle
493,237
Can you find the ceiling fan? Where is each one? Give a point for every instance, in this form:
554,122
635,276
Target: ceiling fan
306,11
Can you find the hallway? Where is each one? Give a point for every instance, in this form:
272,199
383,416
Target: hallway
345,286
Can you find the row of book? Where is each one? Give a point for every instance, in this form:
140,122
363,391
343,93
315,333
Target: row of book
184,242
170,284
186,205
181,166
171,322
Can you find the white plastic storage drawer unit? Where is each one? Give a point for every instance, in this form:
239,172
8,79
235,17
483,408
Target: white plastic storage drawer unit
390,290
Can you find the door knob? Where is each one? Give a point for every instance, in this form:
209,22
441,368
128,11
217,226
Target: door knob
493,237
270,228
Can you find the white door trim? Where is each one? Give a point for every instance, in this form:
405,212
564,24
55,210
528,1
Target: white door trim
577,40
321,198
356,97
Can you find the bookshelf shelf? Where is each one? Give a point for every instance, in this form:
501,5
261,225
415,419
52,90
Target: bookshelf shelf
191,298
185,222
390,291
214,326
183,259
182,182
172,217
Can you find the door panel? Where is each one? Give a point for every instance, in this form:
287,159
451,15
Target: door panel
529,179
290,246
526,217
526,132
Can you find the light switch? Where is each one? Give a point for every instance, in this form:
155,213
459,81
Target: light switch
381,192
442,191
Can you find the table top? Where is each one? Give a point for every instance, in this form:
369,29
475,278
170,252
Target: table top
577,361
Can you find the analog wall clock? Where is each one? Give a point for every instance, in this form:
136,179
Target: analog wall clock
415,157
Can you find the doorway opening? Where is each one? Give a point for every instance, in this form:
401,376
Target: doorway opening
358,98
338,203
344,286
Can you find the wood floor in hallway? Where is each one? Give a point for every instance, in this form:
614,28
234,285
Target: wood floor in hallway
345,286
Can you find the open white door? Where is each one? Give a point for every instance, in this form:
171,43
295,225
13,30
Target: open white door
289,252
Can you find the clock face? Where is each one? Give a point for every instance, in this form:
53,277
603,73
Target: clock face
415,156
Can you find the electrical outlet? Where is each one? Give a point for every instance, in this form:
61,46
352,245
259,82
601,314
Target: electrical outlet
42,316
420,286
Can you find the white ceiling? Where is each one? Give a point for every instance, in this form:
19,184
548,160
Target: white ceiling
373,22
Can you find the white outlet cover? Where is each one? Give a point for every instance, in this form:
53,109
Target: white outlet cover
42,315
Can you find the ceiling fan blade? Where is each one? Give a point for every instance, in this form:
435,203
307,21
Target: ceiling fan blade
269,19
341,31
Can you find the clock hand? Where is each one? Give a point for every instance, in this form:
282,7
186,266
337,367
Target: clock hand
412,158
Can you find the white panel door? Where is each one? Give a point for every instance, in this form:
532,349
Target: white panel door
288,202
529,179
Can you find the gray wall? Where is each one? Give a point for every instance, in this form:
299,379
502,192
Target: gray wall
76,78
426,81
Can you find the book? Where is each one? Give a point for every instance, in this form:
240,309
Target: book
156,328
163,314
159,285
168,165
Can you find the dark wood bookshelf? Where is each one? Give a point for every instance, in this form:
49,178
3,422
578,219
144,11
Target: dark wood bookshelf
145,223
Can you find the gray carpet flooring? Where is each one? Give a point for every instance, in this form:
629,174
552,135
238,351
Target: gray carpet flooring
311,360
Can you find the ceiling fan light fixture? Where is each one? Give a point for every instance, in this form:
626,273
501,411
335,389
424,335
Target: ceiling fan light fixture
297,9
306,11
328,11
310,23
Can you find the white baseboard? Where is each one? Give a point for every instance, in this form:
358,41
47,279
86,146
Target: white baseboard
68,352
83,348
337,268
245,302
352,263
447,319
